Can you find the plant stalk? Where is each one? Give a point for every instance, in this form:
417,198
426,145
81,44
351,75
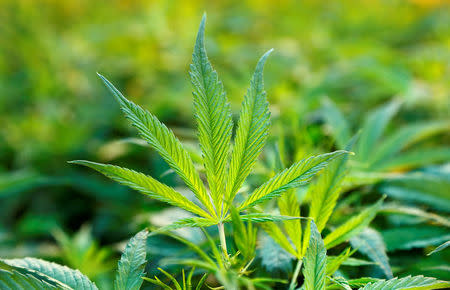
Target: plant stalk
293,283
223,241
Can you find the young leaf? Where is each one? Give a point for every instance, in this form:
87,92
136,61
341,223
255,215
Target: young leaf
145,184
171,278
240,233
415,282
132,263
370,243
278,236
72,278
289,206
353,226
315,261
165,143
213,115
333,263
252,130
298,174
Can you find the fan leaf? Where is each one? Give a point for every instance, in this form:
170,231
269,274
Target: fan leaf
213,115
145,184
252,131
370,243
353,226
165,143
132,263
409,282
298,174
315,261
72,278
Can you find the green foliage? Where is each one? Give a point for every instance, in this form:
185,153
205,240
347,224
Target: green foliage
82,252
370,243
217,172
416,282
146,185
325,191
31,273
132,263
315,261
298,174
353,226
440,248
414,237
252,131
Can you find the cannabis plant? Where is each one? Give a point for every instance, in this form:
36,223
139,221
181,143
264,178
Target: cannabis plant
226,168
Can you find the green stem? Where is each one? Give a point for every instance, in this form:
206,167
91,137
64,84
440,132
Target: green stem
295,276
223,241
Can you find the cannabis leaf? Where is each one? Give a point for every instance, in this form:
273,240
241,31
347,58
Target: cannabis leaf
46,272
132,263
298,174
315,261
353,226
325,191
409,282
370,243
252,131
146,185
213,115
165,143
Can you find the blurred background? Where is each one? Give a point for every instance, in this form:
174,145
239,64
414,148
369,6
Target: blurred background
336,64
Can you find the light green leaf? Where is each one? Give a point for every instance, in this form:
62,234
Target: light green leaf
279,237
357,262
252,131
185,223
370,243
213,115
72,278
333,263
440,248
341,282
324,192
263,217
165,143
132,263
409,282
145,184
353,226
289,206
298,174
315,261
